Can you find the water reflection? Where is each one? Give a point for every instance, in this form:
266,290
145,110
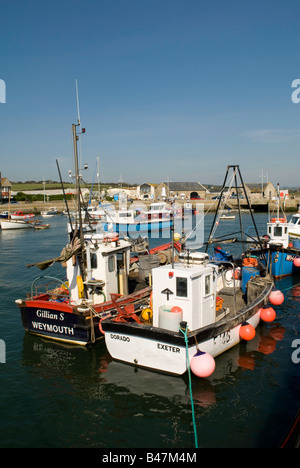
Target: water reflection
91,373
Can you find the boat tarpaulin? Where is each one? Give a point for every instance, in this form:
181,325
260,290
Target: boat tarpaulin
71,249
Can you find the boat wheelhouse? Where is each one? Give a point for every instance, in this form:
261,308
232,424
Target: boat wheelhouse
197,306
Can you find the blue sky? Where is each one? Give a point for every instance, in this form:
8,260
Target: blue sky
173,89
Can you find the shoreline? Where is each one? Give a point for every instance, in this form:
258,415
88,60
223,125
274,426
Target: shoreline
257,205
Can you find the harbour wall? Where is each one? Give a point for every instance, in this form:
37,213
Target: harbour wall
257,205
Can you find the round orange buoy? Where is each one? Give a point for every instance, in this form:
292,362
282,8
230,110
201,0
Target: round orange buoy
202,364
267,314
247,331
297,262
276,297
176,309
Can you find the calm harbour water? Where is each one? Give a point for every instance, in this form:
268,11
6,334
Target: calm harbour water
61,396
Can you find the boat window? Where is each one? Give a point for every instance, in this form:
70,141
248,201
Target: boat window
270,230
124,215
93,261
111,263
278,231
207,285
181,287
285,230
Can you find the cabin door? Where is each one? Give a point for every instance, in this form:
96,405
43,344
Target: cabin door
208,300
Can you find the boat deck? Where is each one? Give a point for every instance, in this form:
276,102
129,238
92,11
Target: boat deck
231,302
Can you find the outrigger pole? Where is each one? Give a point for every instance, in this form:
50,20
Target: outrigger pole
63,189
236,170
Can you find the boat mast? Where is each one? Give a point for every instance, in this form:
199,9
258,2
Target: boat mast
81,258
77,177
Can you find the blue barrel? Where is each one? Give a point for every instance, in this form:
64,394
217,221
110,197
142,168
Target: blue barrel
296,243
247,273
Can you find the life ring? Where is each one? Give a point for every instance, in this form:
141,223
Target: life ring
111,239
280,220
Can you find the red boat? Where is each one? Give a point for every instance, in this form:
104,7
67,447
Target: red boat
21,215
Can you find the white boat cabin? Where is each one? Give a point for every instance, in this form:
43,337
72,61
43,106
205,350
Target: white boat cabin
190,288
278,231
294,224
107,259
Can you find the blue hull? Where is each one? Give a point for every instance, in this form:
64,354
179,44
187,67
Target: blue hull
279,262
283,263
138,228
62,326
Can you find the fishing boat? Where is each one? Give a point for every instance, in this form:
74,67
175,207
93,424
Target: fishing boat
49,213
8,224
4,214
227,217
99,278
17,220
281,245
199,309
294,223
21,215
134,222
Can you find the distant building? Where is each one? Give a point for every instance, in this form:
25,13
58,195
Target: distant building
146,191
180,190
5,188
267,191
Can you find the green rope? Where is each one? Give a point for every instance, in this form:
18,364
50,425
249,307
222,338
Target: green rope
291,287
190,383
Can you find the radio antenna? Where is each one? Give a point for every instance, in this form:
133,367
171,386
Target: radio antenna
77,103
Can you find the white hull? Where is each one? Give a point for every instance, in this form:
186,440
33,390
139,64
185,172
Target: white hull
21,218
164,356
14,224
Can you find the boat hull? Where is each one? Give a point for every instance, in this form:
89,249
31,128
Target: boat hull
283,264
166,351
280,261
8,224
61,322
59,325
138,228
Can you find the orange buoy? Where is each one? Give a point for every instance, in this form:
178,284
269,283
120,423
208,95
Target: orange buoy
276,297
250,262
247,331
202,364
176,309
267,314
297,262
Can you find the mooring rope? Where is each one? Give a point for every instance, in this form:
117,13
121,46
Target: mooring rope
291,287
190,384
